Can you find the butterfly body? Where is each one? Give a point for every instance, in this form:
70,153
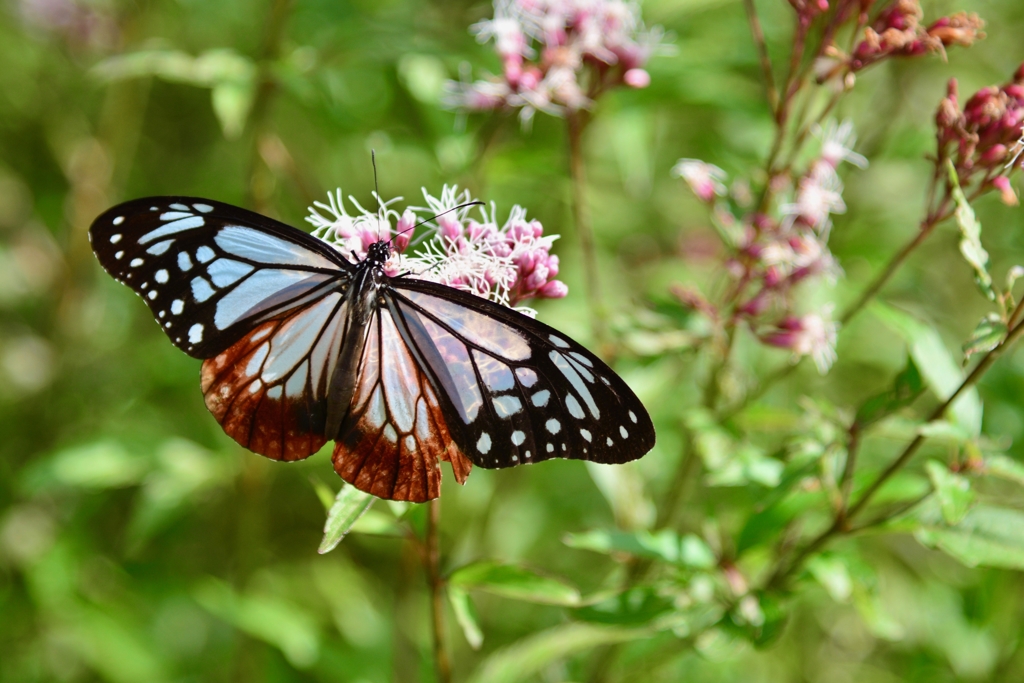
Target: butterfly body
302,346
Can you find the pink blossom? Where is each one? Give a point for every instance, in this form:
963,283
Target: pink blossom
811,335
550,48
507,263
706,180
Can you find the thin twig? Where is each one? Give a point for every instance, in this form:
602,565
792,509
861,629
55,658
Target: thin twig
436,584
762,53
581,217
840,524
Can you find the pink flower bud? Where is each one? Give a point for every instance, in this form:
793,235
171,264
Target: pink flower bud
1006,193
556,289
637,78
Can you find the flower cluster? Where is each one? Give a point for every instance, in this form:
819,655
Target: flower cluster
897,31
81,24
769,255
557,55
507,264
984,137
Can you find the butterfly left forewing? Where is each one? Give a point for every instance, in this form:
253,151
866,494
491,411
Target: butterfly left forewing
210,271
522,391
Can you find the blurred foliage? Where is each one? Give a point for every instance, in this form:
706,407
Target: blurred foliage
138,543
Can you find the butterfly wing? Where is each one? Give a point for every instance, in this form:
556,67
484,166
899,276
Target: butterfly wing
210,271
263,302
397,431
514,390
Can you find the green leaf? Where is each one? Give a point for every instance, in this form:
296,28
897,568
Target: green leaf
907,386
989,333
987,536
953,490
970,236
270,619
231,76
515,582
663,545
832,574
349,506
1003,467
942,374
635,606
100,465
522,660
465,615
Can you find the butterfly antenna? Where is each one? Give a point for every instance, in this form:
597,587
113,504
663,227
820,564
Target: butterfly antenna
438,215
376,191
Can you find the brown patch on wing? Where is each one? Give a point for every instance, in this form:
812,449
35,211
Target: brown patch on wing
265,418
395,434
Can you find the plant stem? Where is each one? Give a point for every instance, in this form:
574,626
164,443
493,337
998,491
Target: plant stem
436,584
581,217
762,52
840,524
266,86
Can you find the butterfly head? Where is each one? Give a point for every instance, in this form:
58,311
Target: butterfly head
379,253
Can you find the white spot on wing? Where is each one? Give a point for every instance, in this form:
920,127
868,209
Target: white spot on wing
118,255
553,426
575,409
136,262
632,416
152,295
275,392
254,245
483,444
296,384
179,207
518,437
481,330
540,399
205,254
201,289
561,343
225,272
195,333
160,247
184,261
260,291
585,434
256,360
173,228
177,306
390,434
527,376
376,414
410,443
581,358
119,220
205,208
570,374
174,215
162,276
623,432
506,406
114,239
550,448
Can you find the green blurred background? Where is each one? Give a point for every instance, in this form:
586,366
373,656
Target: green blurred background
138,543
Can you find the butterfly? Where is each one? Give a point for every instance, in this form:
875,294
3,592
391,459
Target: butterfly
301,346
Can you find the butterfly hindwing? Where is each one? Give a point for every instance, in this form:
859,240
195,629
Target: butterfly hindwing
522,392
396,433
210,271
269,390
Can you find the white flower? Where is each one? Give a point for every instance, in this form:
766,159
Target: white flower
837,141
819,194
706,180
